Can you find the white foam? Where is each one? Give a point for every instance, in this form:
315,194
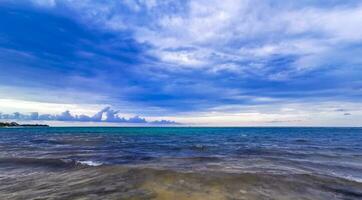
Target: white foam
90,163
352,178
349,177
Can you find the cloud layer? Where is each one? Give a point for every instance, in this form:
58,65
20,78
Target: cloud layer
105,115
171,57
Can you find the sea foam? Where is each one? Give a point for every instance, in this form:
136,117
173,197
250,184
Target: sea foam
90,163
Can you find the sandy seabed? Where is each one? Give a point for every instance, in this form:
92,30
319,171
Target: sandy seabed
118,182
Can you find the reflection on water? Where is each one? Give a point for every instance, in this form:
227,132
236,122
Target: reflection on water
181,163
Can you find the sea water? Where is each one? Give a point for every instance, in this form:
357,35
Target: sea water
181,163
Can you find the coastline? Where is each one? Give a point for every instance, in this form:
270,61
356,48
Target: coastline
17,125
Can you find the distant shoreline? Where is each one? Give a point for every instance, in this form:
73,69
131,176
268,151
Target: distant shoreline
16,125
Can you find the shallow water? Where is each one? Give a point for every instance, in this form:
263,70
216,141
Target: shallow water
181,163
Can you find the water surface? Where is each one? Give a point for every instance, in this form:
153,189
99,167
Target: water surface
181,163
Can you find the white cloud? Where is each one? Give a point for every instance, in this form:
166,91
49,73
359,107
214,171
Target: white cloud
105,115
247,29
209,33
181,58
254,30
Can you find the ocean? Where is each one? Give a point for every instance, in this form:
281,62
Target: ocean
180,163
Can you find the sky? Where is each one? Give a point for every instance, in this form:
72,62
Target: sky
172,62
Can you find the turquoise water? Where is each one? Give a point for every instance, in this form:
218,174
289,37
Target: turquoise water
322,152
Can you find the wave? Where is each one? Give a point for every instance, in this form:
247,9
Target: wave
44,141
194,158
90,163
347,177
301,140
47,162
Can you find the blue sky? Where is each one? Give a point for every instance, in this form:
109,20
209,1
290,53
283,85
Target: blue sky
202,62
